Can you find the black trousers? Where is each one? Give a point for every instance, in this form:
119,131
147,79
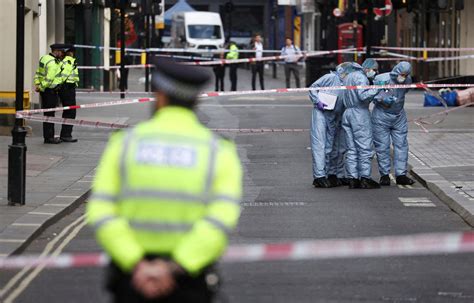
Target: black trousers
67,96
189,289
219,73
233,77
49,99
292,68
127,61
257,68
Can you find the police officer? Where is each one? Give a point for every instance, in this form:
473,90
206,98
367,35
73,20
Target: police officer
48,80
165,196
233,54
67,92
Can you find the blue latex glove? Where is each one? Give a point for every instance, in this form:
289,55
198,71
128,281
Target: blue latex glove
388,101
320,105
380,82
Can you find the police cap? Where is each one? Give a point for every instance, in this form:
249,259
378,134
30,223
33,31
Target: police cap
69,47
180,81
59,46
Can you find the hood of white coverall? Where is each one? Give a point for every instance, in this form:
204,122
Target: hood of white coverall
401,68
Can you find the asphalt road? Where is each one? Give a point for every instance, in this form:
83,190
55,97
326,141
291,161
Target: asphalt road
278,169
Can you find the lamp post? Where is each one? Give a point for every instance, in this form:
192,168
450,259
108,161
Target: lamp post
370,18
122,48
17,150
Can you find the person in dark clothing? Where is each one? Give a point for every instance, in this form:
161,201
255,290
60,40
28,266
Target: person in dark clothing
219,73
127,59
233,54
67,92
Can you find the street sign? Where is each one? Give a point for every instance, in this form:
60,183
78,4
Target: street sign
384,11
337,12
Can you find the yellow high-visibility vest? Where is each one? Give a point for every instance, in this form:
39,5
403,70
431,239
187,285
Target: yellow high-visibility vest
169,186
233,52
70,73
48,74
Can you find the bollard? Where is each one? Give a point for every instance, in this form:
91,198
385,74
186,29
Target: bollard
17,150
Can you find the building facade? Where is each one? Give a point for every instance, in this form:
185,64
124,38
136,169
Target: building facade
44,25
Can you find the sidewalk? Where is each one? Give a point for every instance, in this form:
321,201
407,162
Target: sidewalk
58,178
443,159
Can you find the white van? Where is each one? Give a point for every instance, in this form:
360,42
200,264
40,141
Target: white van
197,30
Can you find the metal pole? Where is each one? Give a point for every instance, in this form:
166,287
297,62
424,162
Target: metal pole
17,150
355,27
275,34
370,17
422,40
147,44
153,31
122,49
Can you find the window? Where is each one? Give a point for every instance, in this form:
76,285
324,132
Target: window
204,31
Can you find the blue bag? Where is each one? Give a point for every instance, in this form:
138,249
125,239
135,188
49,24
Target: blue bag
449,98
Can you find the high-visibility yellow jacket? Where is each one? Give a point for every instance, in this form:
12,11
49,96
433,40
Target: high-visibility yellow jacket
48,74
169,186
233,52
70,74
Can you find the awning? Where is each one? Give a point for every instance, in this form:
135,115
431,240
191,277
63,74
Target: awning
180,7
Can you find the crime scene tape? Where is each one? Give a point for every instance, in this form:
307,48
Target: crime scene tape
228,61
91,105
269,58
399,59
172,50
112,48
206,62
214,51
115,66
419,121
197,58
25,113
109,125
74,122
330,88
428,49
200,58
422,121
87,91
438,59
434,59
386,246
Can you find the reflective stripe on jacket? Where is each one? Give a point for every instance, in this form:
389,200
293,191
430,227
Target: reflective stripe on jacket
48,74
70,73
168,186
